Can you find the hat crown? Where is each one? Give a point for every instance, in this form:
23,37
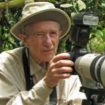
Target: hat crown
36,7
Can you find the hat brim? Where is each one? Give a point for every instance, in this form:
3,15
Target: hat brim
51,14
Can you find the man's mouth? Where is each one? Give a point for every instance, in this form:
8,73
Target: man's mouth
48,48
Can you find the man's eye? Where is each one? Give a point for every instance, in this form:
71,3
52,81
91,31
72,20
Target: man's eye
39,34
53,33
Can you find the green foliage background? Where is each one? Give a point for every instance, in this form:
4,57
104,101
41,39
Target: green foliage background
9,16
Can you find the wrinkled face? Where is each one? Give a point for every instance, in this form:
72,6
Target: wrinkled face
42,41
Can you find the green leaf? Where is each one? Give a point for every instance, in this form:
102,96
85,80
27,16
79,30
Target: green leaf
66,5
10,46
11,39
103,5
99,34
5,35
5,28
81,5
28,1
104,34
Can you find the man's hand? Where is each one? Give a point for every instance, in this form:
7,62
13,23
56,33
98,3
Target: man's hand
59,68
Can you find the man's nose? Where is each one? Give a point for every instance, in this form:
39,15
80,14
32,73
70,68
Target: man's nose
48,40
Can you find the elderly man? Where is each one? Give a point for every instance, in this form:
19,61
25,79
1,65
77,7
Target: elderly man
30,75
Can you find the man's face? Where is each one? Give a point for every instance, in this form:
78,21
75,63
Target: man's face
42,41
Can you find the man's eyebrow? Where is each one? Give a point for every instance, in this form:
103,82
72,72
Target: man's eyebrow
38,32
54,30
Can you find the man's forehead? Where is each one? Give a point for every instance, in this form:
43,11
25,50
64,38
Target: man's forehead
44,24
39,24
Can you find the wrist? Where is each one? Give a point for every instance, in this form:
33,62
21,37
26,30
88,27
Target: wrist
47,84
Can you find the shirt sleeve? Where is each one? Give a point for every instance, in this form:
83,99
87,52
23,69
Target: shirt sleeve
75,97
69,91
10,95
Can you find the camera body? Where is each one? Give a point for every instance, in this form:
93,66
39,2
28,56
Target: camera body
79,33
89,67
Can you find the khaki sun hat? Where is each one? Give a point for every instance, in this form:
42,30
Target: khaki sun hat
38,11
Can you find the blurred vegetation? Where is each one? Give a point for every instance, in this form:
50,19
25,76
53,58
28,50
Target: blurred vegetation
10,13
96,43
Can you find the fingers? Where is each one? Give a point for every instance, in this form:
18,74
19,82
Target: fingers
62,76
62,63
61,56
62,70
61,60
60,67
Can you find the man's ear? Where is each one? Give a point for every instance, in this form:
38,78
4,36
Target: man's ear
23,38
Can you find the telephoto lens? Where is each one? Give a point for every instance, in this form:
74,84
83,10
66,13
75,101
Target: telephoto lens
91,68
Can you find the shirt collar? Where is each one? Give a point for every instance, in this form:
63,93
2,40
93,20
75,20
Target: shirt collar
34,67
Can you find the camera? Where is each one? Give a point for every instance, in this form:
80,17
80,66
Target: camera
79,33
89,67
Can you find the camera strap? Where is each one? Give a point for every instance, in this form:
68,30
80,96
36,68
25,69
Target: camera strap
28,77
53,97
